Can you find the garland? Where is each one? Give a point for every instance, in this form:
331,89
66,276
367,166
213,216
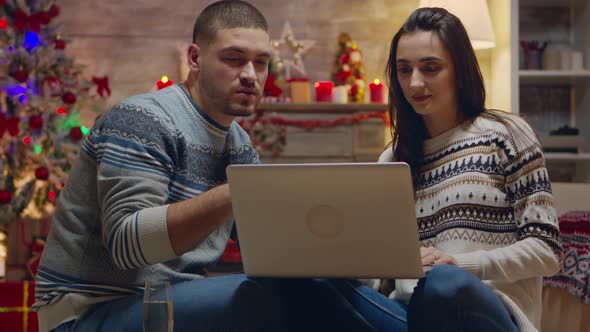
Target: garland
268,133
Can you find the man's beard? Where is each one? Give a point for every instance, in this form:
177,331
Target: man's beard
225,104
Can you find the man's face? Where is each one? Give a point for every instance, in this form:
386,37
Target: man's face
233,70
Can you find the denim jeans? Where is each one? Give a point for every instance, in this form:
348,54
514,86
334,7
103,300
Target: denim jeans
452,299
447,299
238,303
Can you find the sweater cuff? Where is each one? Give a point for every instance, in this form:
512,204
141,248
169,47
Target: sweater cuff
153,235
470,262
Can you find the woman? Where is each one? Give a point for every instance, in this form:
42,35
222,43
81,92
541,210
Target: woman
483,198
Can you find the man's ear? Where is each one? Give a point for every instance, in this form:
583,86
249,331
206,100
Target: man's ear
193,54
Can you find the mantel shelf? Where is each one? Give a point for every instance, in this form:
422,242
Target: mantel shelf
553,76
321,108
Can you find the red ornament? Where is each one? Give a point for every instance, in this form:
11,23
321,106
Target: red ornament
69,98
42,173
345,58
20,75
60,44
35,122
5,197
342,76
76,134
53,11
3,23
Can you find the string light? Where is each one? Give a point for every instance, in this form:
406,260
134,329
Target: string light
27,140
298,49
84,130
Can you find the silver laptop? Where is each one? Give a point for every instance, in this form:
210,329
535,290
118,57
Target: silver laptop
349,220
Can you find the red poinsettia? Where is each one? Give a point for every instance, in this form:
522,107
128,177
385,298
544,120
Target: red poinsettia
23,21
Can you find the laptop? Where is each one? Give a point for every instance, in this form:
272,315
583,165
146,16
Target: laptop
337,220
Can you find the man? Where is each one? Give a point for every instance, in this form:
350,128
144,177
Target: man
147,201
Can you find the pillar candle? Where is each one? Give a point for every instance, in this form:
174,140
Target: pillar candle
376,89
341,94
323,91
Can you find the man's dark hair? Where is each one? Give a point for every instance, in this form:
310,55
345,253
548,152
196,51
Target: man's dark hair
226,14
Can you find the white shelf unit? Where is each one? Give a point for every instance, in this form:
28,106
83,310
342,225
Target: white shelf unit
564,24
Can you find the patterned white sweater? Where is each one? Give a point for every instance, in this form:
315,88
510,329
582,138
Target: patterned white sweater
484,197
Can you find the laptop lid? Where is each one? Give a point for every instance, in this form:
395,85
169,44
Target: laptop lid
347,220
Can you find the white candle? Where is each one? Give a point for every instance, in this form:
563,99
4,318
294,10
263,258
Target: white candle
340,95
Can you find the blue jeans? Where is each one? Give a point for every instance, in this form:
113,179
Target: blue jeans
237,303
452,299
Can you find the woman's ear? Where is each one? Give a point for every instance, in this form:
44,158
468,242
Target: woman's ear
193,54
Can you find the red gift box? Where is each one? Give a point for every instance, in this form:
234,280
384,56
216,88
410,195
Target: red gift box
16,298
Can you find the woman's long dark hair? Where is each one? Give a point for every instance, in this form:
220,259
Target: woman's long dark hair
407,127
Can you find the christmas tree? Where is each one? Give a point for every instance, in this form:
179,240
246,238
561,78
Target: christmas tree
348,68
274,79
42,94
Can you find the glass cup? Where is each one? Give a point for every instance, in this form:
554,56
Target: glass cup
158,314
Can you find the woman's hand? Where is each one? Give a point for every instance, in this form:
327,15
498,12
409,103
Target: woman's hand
434,257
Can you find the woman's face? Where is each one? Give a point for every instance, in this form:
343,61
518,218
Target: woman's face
426,74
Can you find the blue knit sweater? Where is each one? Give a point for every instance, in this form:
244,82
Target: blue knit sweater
109,232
